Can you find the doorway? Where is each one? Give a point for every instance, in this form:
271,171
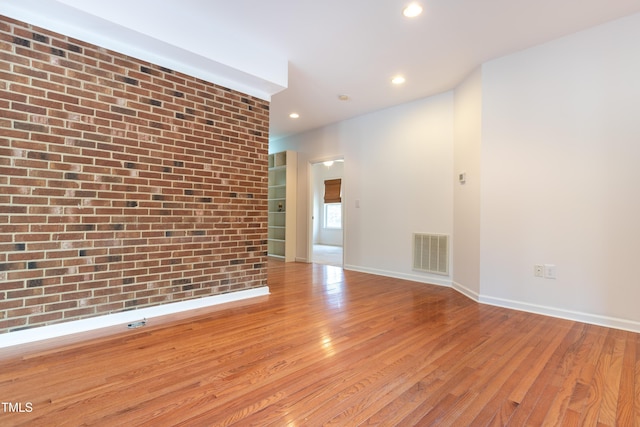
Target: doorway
326,234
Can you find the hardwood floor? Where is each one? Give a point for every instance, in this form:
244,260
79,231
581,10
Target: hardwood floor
334,347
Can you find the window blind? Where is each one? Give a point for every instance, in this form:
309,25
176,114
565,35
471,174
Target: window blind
332,191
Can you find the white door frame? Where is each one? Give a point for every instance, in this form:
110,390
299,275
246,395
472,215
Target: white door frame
310,196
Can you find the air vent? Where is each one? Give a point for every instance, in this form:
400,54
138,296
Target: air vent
431,253
137,324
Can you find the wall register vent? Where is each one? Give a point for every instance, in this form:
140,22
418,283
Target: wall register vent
431,253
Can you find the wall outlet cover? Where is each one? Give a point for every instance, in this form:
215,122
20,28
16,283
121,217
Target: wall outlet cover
538,270
550,271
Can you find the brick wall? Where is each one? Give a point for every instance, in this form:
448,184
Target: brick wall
122,184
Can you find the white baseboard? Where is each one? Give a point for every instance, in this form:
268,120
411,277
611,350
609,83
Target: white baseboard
576,316
430,279
123,318
466,291
593,319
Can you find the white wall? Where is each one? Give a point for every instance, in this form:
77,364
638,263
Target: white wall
466,205
399,168
560,153
550,140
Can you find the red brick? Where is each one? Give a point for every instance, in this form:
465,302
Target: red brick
64,80
12,323
44,318
116,164
66,99
79,313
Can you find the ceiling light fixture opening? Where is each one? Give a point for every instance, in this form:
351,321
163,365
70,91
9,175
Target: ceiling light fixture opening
412,10
398,80
294,115
343,97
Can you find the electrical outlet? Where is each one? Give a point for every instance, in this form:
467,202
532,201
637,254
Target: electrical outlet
549,271
538,270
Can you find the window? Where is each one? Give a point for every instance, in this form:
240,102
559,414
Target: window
333,215
333,203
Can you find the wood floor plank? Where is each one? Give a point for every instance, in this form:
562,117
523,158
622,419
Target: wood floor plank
501,399
591,410
636,405
611,389
537,368
430,371
626,395
550,345
333,347
568,374
505,359
581,390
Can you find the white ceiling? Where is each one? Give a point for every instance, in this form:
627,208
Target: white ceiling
330,47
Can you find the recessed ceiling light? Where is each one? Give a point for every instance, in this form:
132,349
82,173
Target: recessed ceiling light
398,80
343,97
294,115
412,10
